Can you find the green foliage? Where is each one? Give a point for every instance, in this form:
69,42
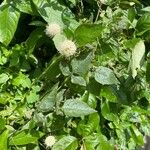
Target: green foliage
66,143
96,99
76,108
87,33
9,19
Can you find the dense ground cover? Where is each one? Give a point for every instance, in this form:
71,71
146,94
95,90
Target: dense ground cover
74,74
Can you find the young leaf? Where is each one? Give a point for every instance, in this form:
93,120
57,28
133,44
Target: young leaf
76,108
9,18
66,143
87,33
137,55
3,140
105,76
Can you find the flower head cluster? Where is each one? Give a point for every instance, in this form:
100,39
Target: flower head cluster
50,141
67,48
52,29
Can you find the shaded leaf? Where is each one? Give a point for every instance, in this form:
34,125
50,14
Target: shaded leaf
143,24
34,37
109,93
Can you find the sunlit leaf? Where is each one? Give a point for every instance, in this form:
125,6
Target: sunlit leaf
9,18
76,108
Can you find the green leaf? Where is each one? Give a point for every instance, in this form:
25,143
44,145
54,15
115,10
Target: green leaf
9,18
66,143
51,11
23,6
48,101
105,76
148,71
107,114
5,97
78,80
73,1
81,64
3,140
109,93
90,99
32,97
146,9
22,80
3,78
34,37
64,67
87,33
2,124
143,24
137,135
94,87
137,56
52,70
97,142
88,126
58,39
25,137
76,108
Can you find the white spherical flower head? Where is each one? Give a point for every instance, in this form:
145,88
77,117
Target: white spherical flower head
50,141
52,29
67,48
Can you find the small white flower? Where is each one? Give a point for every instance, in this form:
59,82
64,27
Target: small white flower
52,29
67,48
50,141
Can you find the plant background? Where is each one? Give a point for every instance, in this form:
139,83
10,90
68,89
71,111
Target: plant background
97,99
